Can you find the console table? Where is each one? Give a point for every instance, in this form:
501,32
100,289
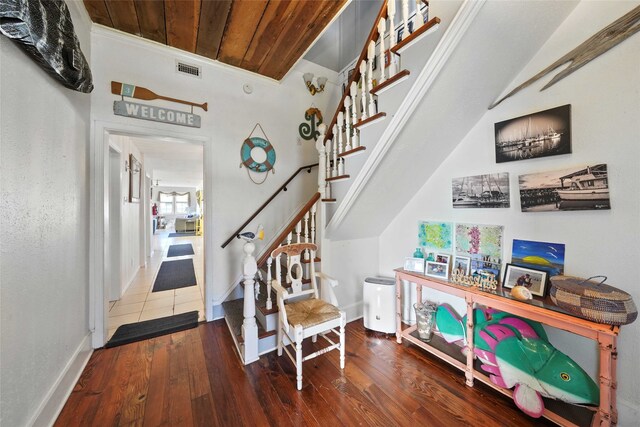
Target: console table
539,310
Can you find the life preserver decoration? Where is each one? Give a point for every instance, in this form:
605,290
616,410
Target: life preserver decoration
245,153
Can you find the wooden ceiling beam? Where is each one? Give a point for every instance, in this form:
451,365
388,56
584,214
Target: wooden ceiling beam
213,20
124,16
243,20
151,19
182,18
98,12
275,19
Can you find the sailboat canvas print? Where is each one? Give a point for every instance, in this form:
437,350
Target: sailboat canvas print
541,134
481,191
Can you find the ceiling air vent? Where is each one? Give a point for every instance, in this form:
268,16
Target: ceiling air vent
189,69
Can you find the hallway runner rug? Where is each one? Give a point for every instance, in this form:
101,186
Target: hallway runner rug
133,332
189,233
174,275
180,250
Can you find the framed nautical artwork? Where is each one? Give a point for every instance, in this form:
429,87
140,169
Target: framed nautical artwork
481,191
578,188
541,134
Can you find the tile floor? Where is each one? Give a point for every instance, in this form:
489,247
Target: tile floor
139,303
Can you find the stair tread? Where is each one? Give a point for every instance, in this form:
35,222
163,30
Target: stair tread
391,80
338,178
369,120
307,261
352,152
233,313
415,35
329,200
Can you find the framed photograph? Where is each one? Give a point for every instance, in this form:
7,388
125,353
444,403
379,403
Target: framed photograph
534,280
374,63
541,134
481,191
462,265
443,258
135,179
438,270
387,58
414,264
350,74
579,188
399,35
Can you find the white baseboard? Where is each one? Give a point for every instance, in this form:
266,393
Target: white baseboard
628,413
57,396
353,311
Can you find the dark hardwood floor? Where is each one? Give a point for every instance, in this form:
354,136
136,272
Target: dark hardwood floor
194,377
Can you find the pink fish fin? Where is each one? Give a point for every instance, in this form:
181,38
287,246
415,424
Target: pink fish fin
486,356
528,400
521,326
497,380
493,334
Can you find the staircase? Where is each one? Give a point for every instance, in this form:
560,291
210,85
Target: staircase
252,320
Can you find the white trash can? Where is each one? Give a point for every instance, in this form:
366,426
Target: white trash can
379,300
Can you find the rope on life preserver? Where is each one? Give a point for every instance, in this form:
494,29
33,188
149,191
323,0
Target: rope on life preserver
250,163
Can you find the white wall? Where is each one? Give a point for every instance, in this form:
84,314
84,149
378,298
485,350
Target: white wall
278,107
44,222
605,101
131,213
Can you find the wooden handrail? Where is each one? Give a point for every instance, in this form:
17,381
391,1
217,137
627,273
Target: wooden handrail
292,225
356,73
264,205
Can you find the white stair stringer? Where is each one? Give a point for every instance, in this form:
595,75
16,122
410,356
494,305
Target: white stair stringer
394,124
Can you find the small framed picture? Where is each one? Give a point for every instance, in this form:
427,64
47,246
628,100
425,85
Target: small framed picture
462,265
439,270
374,63
387,58
534,280
442,258
414,264
400,33
350,74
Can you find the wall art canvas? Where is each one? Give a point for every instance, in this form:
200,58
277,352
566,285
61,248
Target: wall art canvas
541,134
577,188
481,191
435,236
543,256
485,240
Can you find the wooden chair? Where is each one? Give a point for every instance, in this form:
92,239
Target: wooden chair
300,317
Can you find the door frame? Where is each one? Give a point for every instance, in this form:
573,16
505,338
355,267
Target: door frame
99,216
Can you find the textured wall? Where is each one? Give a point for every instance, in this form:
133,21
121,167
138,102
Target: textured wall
44,224
605,106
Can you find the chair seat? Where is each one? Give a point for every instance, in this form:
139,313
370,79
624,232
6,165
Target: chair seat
310,312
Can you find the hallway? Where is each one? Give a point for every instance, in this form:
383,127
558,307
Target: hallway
140,303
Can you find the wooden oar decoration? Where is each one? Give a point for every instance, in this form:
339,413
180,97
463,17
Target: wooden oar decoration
605,39
138,92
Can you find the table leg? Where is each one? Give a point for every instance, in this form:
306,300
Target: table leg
469,371
607,411
398,309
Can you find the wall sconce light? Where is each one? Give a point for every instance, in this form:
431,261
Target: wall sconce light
308,80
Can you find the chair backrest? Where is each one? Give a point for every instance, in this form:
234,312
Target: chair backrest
295,272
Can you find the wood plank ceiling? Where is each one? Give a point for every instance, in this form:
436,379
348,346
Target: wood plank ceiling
263,36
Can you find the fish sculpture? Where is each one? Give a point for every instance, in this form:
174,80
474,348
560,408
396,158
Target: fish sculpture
516,352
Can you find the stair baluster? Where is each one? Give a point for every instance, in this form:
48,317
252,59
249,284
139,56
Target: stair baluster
391,11
334,173
363,90
405,18
418,18
269,278
313,223
353,90
347,125
249,325
322,161
298,231
340,125
370,55
382,28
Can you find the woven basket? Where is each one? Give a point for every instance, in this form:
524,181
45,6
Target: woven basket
593,301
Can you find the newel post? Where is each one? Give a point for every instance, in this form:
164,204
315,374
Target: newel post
249,326
322,161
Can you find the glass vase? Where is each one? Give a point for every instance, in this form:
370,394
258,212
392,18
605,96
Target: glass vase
426,319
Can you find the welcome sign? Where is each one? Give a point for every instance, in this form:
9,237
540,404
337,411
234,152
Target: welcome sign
156,114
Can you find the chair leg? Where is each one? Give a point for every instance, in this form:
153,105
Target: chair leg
279,336
342,326
299,335
314,338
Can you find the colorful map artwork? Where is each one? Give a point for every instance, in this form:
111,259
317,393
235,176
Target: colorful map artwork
435,236
472,239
